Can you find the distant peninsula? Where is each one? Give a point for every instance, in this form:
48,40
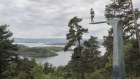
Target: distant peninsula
38,51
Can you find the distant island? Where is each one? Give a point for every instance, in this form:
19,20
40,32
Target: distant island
40,40
38,51
50,41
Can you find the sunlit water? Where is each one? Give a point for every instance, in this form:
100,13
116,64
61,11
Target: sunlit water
61,59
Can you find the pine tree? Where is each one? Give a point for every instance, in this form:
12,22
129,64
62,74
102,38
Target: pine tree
123,11
7,49
85,52
91,51
75,36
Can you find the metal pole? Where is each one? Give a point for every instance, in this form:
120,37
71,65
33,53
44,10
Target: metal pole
136,26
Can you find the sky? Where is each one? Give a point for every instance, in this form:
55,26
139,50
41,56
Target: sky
49,18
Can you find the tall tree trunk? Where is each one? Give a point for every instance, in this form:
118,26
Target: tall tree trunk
82,75
81,61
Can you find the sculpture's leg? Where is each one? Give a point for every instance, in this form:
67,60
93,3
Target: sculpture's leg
118,52
92,19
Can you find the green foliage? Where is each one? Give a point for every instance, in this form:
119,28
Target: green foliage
52,76
132,57
115,10
7,49
100,74
8,73
25,65
39,51
75,32
48,68
55,49
109,64
91,52
11,67
85,52
108,42
123,10
21,75
38,72
75,36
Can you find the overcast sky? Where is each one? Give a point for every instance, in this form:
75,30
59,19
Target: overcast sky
49,18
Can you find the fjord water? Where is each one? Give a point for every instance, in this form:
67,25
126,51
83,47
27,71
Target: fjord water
61,59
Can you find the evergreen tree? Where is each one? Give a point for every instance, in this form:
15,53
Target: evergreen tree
38,72
132,58
85,52
7,49
10,72
91,52
48,68
123,11
25,65
75,36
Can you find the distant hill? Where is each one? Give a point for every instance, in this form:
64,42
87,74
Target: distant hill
41,40
46,40
100,41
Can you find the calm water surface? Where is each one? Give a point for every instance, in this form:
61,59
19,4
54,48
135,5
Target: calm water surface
62,59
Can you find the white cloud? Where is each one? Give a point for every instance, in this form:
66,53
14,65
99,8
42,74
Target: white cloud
49,18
